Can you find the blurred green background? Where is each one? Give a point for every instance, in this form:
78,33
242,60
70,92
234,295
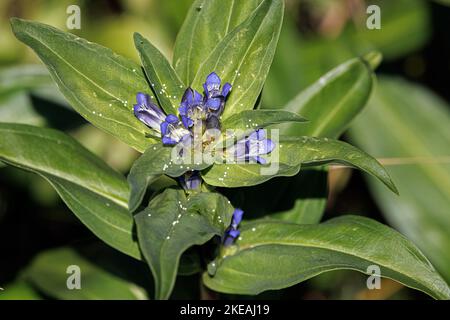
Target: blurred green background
406,125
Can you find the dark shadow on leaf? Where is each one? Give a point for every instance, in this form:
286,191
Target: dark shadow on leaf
56,115
279,194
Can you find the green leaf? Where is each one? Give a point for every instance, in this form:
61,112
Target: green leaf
190,263
244,56
305,197
19,290
330,104
24,90
244,123
99,84
443,2
164,81
26,77
407,27
274,255
407,125
154,162
171,224
96,193
207,23
289,154
49,272
250,120
299,199
333,101
244,175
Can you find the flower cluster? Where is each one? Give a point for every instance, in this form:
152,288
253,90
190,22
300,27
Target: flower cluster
196,109
200,112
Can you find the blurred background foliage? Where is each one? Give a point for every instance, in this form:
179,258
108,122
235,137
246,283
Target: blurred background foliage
405,125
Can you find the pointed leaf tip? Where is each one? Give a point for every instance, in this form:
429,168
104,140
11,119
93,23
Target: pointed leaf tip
373,59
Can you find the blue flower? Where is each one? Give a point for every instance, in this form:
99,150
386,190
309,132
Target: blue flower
191,108
169,127
232,232
194,109
172,130
214,97
252,147
191,180
148,112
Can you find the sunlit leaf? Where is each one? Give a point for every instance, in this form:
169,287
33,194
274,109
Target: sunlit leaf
288,155
244,56
274,255
164,81
207,23
99,84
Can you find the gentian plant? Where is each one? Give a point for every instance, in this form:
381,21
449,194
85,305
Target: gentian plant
211,153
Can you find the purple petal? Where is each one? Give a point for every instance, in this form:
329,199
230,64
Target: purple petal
257,134
237,217
230,236
187,97
168,140
213,103
187,122
228,241
260,160
234,233
182,109
198,98
270,145
137,108
240,149
147,116
186,94
259,147
186,141
171,118
193,182
164,126
212,80
226,89
142,98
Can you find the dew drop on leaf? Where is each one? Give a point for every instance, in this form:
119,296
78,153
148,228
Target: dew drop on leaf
212,268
